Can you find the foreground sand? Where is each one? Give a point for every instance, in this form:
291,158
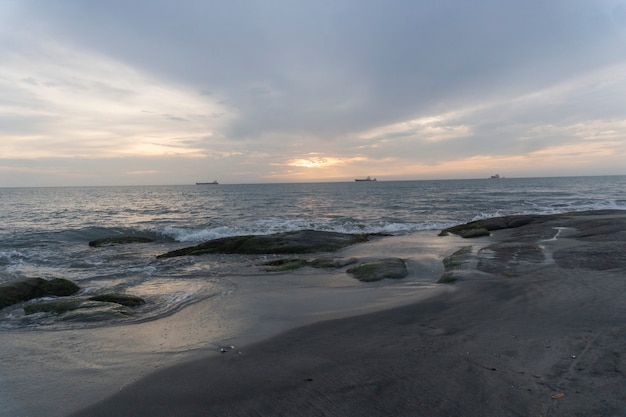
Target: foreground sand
534,327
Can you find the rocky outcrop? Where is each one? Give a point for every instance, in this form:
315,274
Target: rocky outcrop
119,240
480,228
27,289
393,268
303,241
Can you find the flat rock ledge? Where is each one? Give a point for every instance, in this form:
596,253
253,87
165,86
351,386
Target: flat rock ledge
483,227
302,241
595,240
596,222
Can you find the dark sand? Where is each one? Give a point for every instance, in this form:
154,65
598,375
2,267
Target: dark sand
534,327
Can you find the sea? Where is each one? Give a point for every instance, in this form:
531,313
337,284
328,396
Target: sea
44,232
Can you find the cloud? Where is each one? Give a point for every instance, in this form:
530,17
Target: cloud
327,89
78,103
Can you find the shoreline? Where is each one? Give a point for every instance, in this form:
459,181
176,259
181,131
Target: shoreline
522,333
533,326
56,372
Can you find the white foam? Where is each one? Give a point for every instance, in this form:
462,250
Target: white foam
277,225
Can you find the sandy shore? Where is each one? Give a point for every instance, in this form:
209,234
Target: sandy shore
533,327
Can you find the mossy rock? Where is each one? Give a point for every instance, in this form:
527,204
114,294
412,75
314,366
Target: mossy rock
59,287
122,299
454,262
482,227
458,258
447,278
18,291
57,307
471,233
393,268
329,263
27,289
119,240
302,241
468,230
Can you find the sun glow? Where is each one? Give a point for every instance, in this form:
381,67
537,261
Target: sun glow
314,161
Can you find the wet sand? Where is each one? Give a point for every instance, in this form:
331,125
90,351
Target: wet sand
534,327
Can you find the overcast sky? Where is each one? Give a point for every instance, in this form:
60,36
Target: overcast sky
241,91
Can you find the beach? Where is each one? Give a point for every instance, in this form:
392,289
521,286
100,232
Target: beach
533,326
54,371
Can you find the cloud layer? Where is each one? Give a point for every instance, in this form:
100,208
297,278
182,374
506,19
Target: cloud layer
150,92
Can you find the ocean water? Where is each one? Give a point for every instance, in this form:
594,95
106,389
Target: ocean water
44,232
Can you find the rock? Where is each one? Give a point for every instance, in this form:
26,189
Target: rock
59,287
122,299
57,307
453,263
98,305
303,241
467,230
479,228
394,268
95,311
18,291
120,240
447,278
332,262
598,256
23,290
279,265
470,233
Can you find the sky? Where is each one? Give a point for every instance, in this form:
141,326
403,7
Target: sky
142,92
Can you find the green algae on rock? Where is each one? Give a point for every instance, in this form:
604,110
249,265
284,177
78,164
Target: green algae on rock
482,227
27,289
393,268
454,262
302,241
56,306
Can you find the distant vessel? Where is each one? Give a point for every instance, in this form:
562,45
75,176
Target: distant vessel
366,179
207,183
495,177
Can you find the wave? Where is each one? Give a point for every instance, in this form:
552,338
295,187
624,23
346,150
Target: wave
280,224
532,207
